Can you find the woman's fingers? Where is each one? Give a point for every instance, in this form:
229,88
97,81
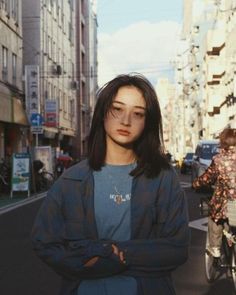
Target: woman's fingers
91,262
119,253
115,250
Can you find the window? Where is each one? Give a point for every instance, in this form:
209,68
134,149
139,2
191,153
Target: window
3,4
65,104
55,92
49,91
72,71
72,108
8,8
49,47
14,65
14,10
4,63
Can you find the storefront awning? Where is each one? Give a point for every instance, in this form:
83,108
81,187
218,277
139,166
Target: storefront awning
12,111
19,114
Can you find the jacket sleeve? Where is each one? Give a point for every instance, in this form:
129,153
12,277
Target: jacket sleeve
68,256
207,178
167,248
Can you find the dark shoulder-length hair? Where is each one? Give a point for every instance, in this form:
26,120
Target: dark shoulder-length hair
228,138
149,147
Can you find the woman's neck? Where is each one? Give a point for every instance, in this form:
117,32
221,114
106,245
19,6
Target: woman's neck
120,156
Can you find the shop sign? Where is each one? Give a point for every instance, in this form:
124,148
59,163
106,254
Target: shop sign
51,113
21,173
32,89
36,129
44,154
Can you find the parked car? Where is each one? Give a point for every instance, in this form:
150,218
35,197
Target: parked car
202,157
186,165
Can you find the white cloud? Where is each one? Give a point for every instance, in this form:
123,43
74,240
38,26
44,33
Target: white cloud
142,47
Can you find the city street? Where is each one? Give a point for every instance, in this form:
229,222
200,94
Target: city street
21,272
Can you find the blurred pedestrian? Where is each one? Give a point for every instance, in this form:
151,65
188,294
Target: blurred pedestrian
117,222
59,168
222,173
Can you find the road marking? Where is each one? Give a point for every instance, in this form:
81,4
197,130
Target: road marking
200,224
185,184
31,199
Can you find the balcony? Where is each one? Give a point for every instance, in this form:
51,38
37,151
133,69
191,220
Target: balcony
215,40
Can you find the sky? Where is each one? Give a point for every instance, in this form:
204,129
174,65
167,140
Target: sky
137,36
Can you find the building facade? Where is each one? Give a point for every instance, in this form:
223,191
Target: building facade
86,72
205,70
50,71
14,125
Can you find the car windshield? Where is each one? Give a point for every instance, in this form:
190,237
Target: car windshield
208,151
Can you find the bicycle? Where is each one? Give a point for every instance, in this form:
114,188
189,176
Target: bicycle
46,180
226,263
5,176
43,178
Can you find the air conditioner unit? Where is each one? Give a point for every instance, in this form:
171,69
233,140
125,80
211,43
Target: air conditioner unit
56,70
74,85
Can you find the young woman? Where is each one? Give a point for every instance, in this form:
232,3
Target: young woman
117,222
222,173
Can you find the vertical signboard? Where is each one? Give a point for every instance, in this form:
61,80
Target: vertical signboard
51,113
44,154
32,94
20,173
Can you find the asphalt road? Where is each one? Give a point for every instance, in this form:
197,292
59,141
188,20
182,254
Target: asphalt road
22,273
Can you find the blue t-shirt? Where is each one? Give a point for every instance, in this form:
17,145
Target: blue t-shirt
112,195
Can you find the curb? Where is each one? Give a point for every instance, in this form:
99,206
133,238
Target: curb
18,204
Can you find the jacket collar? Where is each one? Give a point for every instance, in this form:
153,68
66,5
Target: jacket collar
79,171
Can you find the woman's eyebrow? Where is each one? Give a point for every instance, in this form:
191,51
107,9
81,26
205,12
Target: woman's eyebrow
122,103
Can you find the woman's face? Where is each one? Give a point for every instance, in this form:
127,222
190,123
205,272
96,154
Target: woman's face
125,121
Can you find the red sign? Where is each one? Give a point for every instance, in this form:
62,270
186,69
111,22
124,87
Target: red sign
51,120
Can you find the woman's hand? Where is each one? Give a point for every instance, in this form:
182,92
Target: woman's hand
116,251
91,262
119,253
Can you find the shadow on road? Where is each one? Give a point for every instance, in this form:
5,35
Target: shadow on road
219,287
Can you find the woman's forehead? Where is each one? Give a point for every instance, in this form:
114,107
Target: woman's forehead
130,96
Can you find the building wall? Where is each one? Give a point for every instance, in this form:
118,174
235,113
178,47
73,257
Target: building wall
207,82
12,116
86,61
49,42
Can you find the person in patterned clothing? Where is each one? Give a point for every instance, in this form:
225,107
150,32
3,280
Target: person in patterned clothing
222,173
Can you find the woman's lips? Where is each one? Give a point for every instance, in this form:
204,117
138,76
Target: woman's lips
123,132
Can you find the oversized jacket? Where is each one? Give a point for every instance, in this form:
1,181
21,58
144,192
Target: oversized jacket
65,236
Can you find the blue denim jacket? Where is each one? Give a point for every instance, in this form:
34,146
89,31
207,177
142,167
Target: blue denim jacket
65,236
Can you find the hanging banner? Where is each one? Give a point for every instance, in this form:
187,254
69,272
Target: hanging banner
21,173
32,95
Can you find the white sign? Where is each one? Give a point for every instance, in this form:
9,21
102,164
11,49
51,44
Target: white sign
44,154
32,94
21,172
36,129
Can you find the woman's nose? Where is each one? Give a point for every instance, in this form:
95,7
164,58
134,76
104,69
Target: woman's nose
126,118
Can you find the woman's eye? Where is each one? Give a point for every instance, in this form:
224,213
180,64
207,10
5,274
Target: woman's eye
139,115
117,109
